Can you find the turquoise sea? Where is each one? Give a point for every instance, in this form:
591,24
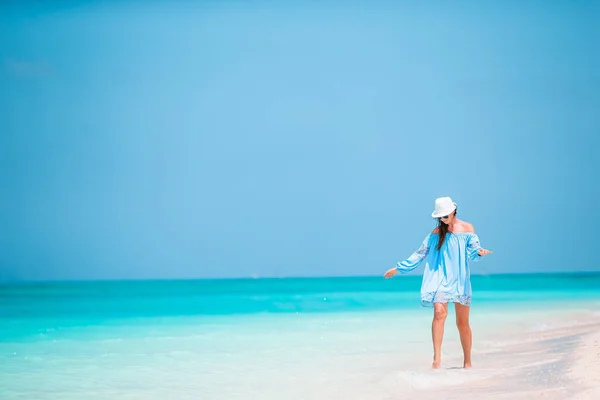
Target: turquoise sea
254,338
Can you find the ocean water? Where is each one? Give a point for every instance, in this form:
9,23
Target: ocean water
328,338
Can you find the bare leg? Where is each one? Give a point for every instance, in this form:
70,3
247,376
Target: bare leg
440,312
462,321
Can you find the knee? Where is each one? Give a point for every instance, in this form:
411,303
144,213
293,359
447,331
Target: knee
462,323
440,315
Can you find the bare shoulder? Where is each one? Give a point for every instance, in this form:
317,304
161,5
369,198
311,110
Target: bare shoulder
468,227
436,230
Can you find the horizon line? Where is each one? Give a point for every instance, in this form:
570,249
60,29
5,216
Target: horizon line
250,278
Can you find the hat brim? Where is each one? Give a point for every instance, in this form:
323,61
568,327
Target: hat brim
443,213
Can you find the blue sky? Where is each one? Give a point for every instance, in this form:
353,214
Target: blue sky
229,139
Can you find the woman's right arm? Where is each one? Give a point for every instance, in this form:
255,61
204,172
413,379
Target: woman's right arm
411,262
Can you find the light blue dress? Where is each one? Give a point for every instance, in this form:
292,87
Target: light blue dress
447,277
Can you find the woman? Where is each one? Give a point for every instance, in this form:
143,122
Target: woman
447,253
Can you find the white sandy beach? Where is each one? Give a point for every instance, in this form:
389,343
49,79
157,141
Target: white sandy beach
558,363
585,371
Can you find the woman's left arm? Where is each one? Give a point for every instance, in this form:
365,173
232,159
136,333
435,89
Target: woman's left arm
474,249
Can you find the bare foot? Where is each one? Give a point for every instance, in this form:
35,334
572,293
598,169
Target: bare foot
436,364
467,365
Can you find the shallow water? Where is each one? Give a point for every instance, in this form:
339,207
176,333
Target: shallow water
270,339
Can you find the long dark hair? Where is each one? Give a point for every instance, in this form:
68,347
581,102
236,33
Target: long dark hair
443,230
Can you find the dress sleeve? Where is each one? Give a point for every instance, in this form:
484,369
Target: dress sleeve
415,259
473,247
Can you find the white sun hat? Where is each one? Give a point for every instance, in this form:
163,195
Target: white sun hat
443,206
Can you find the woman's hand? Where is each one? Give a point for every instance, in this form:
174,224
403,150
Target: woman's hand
483,252
390,272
